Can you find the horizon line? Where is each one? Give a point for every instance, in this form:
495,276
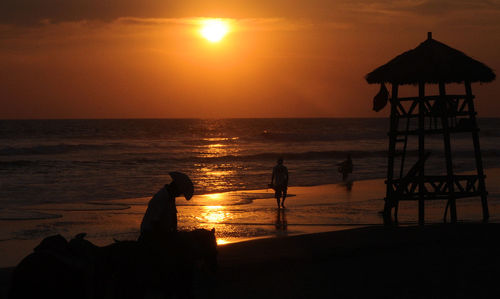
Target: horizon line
215,118
196,118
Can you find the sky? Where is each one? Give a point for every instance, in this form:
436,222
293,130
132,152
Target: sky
281,58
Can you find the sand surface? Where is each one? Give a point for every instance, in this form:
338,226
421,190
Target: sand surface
440,261
436,261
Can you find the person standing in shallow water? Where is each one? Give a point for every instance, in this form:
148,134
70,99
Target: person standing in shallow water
161,215
279,182
345,167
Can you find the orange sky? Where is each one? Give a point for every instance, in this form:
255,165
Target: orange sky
145,59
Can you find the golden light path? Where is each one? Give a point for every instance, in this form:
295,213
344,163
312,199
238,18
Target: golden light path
214,29
215,213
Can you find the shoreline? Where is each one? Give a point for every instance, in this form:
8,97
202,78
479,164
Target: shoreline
147,197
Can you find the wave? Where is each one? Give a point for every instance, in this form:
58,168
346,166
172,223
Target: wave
165,158
310,137
334,154
21,214
49,149
310,155
126,157
17,163
63,148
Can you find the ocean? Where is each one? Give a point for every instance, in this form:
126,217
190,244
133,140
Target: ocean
61,161
97,176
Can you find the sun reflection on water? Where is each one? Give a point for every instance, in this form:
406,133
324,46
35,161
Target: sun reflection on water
219,147
214,214
221,138
222,241
214,196
215,145
216,177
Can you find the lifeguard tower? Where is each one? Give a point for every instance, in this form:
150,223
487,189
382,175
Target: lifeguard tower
423,116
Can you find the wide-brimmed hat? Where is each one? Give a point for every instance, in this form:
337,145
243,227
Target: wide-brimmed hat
183,183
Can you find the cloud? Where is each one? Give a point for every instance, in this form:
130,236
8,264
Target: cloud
354,16
439,7
37,12
32,12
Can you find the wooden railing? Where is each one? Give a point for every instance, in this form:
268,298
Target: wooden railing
435,187
454,105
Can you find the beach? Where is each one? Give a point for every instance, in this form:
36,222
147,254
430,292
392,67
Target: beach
435,261
326,227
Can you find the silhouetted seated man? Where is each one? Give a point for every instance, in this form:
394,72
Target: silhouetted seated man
160,218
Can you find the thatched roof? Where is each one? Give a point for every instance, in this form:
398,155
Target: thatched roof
431,62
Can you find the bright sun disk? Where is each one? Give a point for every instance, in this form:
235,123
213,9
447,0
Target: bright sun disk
214,30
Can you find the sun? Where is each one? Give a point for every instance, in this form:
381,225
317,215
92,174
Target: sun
214,29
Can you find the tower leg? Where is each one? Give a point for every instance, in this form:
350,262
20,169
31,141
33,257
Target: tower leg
446,211
393,127
396,208
447,151
389,199
387,212
421,152
477,152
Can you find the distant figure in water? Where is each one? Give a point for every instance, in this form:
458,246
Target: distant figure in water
279,182
161,215
345,167
348,186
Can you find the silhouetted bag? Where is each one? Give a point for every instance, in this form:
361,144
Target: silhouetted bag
380,100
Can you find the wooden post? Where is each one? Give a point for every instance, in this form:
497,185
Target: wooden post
421,152
393,127
477,151
447,151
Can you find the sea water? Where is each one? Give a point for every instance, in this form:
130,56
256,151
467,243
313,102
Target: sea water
81,160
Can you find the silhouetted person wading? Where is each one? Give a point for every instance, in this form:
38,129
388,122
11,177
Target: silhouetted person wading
345,167
279,182
161,215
